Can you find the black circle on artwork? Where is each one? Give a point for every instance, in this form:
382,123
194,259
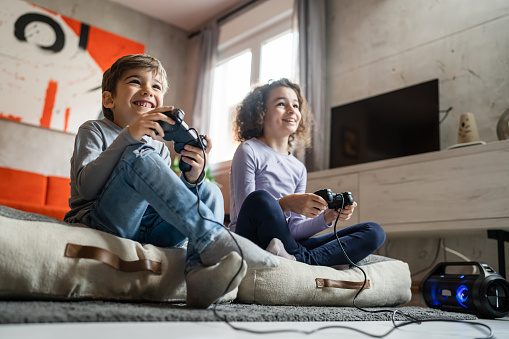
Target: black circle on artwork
26,19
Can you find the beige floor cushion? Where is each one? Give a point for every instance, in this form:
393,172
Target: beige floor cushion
295,283
44,258
41,257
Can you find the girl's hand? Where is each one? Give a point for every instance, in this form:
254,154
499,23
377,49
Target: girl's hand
194,156
331,215
308,204
147,123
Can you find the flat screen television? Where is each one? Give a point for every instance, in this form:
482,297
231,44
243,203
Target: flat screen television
395,124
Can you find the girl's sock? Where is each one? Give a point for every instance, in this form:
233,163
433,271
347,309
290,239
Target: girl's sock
276,247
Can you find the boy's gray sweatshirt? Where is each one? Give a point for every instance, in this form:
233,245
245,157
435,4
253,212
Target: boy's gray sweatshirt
98,147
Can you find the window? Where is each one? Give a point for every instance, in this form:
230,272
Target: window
276,58
231,83
247,56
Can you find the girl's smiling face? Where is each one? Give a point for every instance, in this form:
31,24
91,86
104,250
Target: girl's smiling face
139,91
282,113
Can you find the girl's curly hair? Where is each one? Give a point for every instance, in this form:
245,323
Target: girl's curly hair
252,110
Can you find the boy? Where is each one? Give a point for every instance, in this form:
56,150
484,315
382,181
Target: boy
121,183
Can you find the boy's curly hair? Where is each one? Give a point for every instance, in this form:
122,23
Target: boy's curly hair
252,110
112,75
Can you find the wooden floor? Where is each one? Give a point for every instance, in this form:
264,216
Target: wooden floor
155,330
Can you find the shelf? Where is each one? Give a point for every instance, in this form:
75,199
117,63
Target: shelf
457,191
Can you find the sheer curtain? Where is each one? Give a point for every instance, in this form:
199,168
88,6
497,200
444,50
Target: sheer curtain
309,19
207,50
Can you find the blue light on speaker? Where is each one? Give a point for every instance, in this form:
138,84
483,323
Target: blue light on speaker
462,295
434,300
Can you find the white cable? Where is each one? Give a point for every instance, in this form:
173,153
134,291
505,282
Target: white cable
458,254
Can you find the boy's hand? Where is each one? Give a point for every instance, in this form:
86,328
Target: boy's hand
308,204
147,123
194,156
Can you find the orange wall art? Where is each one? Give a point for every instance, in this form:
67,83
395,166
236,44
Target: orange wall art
51,66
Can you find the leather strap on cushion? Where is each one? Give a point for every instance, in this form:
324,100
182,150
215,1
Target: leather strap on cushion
111,259
351,285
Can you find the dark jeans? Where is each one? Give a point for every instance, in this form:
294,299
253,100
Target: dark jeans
261,219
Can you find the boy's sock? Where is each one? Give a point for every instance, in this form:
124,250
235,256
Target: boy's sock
276,247
205,285
223,244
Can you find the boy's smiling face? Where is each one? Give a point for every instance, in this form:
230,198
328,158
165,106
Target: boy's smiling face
138,91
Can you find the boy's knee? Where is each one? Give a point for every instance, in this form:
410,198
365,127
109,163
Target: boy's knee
212,197
210,190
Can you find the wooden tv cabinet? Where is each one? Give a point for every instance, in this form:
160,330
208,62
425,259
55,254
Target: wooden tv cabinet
450,192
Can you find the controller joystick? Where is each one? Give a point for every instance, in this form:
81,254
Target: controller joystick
335,201
181,135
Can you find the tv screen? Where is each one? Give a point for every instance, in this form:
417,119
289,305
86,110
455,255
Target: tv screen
396,124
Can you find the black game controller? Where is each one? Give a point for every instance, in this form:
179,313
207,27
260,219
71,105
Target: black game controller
181,135
335,201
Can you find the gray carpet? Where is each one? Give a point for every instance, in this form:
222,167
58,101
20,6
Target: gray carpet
108,311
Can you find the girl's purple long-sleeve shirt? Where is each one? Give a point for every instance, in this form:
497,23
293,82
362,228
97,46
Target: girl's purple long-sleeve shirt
256,166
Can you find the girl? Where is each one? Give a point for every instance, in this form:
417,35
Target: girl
268,202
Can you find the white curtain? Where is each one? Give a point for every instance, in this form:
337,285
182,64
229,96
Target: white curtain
310,19
207,50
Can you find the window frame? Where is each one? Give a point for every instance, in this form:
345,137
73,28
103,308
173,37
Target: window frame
253,43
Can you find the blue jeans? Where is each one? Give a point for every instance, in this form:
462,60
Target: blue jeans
145,201
261,219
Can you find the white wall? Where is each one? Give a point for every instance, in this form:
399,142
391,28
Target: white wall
377,46
48,152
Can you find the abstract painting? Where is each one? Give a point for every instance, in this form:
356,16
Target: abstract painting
51,66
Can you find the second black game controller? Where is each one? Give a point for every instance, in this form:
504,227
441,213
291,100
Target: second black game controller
335,201
181,135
